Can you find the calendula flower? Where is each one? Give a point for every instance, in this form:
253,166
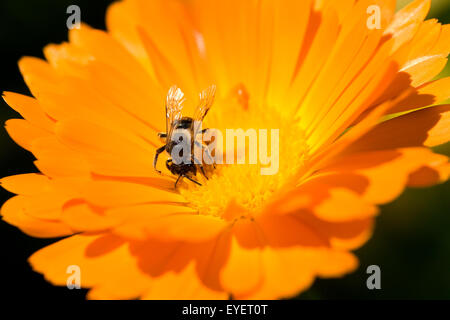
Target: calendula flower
356,110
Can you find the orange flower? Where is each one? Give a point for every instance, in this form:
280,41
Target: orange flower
312,69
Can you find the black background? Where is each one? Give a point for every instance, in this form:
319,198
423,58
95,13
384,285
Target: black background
411,243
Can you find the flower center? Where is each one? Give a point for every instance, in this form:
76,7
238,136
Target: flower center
245,184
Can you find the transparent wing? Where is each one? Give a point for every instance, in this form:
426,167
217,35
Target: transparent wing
174,106
206,101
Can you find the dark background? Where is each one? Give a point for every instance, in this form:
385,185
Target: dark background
411,243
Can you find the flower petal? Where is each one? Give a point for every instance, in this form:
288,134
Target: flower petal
387,171
183,285
24,133
81,217
108,153
30,109
104,260
111,194
428,127
292,270
26,184
14,212
426,95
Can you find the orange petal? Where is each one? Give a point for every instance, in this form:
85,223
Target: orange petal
288,37
387,171
13,212
291,270
332,198
429,176
30,109
106,49
24,133
425,68
81,217
108,152
423,57
161,260
119,21
116,193
161,22
26,184
38,75
343,205
136,218
184,227
312,61
243,271
183,285
426,95
344,235
406,22
109,96
104,261
428,127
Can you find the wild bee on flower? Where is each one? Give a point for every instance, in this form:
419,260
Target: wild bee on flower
354,112
179,132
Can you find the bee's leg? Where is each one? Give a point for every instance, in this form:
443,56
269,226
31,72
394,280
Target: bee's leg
178,179
168,164
162,136
208,153
202,169
203,132
158,152
190,179
181,176
210,157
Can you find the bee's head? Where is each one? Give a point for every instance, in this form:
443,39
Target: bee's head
184,123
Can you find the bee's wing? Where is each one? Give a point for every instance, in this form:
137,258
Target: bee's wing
174,107
206,101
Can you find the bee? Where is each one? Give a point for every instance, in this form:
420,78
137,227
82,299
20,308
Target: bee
175,121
